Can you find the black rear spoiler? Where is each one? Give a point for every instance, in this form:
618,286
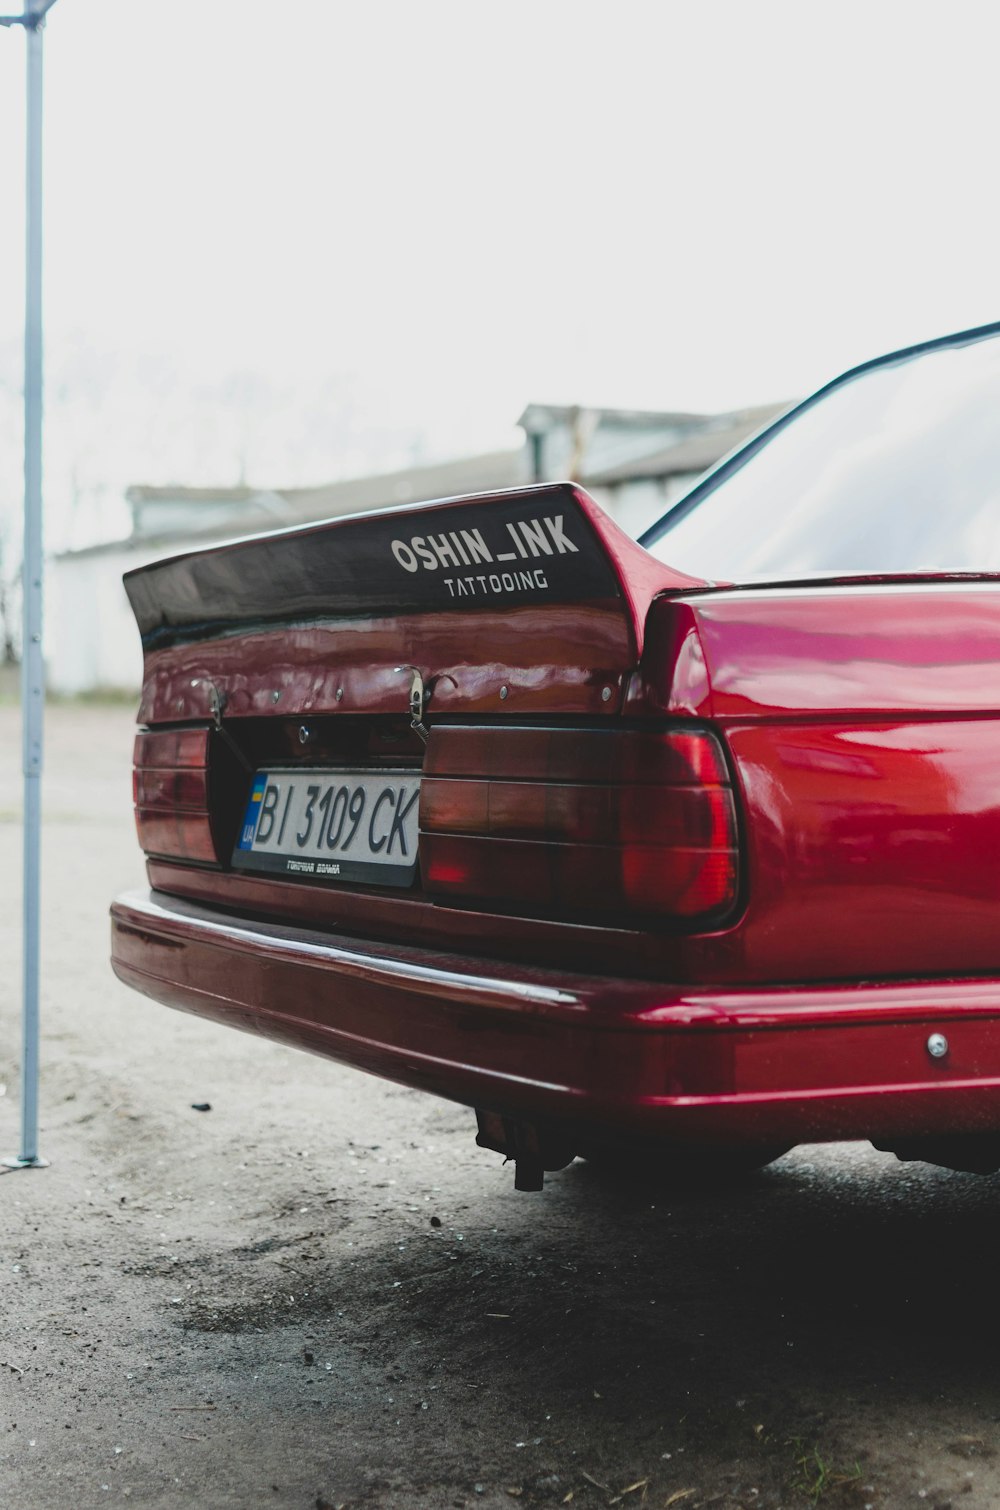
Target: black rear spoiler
496,550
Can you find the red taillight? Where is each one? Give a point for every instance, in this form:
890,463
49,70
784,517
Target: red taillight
170,788
609,820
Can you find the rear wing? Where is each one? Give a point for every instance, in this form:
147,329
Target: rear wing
544,545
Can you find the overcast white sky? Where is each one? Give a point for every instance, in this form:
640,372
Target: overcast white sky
303,238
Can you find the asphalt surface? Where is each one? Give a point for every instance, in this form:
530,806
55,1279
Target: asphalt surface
319,1293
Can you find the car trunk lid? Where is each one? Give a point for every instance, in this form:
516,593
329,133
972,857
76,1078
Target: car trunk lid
535,591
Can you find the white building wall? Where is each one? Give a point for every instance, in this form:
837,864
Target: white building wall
91,639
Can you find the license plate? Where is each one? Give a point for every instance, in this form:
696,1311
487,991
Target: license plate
332,826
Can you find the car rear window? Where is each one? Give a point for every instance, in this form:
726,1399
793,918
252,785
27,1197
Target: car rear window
894,469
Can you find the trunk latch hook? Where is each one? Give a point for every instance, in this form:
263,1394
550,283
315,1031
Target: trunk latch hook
216,700
417,701
217,706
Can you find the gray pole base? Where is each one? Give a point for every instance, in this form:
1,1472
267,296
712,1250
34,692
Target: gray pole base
16,1162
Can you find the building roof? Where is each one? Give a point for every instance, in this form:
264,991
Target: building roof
180,493
228,512
694,454
445,479
495,469
259,509
539,418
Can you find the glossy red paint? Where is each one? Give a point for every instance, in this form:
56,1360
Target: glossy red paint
611,1057
855,649
859,727
549,661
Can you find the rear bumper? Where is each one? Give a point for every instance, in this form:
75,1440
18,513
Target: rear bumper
601,1057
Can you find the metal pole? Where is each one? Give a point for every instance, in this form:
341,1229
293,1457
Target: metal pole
32,664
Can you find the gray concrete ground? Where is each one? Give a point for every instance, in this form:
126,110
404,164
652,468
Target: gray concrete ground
320,1293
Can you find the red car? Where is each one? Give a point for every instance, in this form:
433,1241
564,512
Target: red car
688,848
